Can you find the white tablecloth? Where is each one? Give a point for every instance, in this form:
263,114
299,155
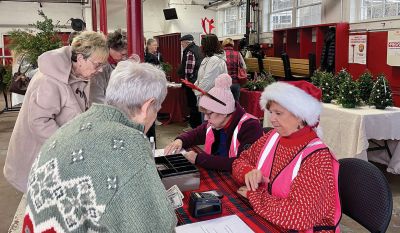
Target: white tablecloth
346,132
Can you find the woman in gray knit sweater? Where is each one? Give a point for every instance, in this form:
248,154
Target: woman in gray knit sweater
97,174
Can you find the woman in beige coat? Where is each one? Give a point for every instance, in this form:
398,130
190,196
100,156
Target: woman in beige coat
56,94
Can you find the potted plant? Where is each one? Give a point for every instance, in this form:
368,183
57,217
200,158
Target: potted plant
260,82
167,68
5,77
32,43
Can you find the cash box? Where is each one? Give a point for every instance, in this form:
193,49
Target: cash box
177,170
203,204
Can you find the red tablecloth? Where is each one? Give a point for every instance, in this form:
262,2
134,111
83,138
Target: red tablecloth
232,202
175,105
250,101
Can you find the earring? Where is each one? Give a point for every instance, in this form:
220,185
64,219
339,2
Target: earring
298,126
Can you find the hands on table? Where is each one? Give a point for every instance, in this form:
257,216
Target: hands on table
252,180
173,147
176,146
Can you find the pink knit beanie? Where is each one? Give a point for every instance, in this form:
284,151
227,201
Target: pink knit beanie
221,91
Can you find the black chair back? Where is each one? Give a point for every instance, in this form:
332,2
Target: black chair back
365,194
286,66
311,64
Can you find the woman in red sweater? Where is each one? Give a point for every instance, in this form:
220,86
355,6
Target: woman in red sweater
289,176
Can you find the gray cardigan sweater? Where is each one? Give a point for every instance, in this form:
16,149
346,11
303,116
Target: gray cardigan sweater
97,174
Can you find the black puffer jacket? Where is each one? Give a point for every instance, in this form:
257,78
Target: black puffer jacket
328,51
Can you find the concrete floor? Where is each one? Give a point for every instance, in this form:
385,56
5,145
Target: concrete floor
9,197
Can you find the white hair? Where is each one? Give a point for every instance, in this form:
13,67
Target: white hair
132,84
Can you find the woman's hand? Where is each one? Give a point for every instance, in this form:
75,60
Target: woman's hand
173,147
191,156
243,191
253,178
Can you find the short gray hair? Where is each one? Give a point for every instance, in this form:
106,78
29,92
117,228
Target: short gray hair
132,84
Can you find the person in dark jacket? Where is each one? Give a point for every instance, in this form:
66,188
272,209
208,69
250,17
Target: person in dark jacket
151,54
191,60
328,51
227,131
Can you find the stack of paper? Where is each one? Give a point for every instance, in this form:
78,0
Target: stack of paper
227,224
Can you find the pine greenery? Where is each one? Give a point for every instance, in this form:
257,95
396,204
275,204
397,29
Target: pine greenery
381,95
32,43
349,95
340,77
327,87
260,82
365,83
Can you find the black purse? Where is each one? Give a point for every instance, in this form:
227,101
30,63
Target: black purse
19,82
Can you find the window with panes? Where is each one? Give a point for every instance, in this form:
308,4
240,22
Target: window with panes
233,20
288,13
376,9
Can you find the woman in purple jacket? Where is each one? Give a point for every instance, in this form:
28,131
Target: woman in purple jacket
227,131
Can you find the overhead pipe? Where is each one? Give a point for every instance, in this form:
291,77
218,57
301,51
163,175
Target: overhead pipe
94,15
134,22
215,3
103,16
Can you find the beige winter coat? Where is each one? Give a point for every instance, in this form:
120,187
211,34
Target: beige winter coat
54,97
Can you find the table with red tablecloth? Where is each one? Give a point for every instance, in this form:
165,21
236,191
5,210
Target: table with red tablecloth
232,202
250,101
175,105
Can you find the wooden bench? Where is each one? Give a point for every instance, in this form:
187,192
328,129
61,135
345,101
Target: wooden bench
300,66
252,65
274,65
298,69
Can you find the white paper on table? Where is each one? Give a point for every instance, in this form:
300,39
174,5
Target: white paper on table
160,152
227,224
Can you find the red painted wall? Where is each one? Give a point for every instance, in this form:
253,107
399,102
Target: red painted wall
376,63
170,48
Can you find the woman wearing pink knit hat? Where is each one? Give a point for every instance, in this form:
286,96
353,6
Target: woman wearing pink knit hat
226,132
289,175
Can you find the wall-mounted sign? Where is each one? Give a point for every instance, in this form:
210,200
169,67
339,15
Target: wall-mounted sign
393,48
358,49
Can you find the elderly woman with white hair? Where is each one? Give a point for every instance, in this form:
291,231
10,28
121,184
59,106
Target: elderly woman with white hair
97,173
289,175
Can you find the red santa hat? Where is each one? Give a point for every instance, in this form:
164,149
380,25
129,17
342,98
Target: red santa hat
301,98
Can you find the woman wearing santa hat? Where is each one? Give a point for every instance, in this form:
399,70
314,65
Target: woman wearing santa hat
289,175
227,131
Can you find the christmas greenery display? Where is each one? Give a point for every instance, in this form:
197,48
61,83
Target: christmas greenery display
365,84
260,82
166,67
315,79
5,77
349,95
340,77
326,86
381,95
32,43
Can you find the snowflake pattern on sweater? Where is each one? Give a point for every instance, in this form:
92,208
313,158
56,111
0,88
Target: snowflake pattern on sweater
75,198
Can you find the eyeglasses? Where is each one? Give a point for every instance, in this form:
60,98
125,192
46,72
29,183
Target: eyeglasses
208,113
97,65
